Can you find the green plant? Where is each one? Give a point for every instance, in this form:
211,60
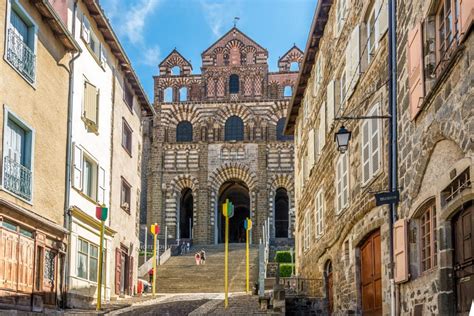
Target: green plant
286,269
283,256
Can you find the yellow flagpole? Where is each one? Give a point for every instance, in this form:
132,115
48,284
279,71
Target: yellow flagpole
226,259
99,281
247,265
154,264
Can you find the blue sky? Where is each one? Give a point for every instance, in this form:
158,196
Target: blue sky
150,29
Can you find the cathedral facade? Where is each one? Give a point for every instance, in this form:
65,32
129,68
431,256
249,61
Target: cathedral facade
219,135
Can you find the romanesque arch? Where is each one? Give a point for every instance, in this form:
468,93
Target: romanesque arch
236,109
275,183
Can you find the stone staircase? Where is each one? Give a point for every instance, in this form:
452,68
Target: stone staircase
180,274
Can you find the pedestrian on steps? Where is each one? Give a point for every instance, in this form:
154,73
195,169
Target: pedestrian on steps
203,256
197,257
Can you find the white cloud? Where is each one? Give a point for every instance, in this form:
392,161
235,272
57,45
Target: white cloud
151,56
129,17
219,14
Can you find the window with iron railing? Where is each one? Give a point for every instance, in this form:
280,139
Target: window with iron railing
17,173
21,43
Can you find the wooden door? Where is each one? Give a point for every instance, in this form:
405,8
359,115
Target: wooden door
130,276
371,275
330,291
118,269
464,260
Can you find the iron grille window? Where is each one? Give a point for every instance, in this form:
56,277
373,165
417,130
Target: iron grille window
234,83
279,130
234,128
184,132
49,266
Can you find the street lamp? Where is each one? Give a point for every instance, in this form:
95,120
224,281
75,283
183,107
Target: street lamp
342,138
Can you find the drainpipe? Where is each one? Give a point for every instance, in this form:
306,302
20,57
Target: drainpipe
392,148
67,214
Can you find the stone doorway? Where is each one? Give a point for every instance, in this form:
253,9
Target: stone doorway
185,229
238,193
371,274
329,286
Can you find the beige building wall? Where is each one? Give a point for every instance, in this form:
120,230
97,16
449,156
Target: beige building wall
126,166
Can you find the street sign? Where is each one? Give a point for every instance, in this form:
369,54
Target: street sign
101,213
383,198
228,209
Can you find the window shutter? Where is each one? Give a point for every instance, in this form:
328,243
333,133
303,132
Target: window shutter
77,168
345,180
330,101
365,152
118,267
375,142
91,98
352,61
415,69
382,6
339,184
400,249
101,186
322,127
466,13
311,148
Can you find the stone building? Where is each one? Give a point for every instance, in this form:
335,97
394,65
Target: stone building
436,162
348,245
217,136
36,50
341,235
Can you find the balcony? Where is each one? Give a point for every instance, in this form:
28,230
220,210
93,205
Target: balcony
21,56
17,178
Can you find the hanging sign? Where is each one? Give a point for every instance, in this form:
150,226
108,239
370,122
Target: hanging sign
387,198
248,224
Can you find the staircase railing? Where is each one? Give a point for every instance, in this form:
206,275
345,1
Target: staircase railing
148,265
264,252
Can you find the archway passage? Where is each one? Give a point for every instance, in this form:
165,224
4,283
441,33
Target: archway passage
238,193
186,214
281,213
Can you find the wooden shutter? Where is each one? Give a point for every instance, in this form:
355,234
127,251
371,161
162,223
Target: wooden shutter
118,268
91,97
339,184
352,61
415,69
466,12
365,151
345,179
77,167
101,185
130,280
330,102
375,142
400,250
26,257
322,126
311,148
382,21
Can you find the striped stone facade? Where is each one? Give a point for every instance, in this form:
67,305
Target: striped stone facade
259,162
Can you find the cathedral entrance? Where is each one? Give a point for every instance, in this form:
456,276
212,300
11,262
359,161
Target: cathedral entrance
185,214
238,193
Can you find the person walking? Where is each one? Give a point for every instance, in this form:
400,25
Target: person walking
203,256
197,257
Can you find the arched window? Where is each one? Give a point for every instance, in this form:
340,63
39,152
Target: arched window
279,130
294,66
168,95
282,215
234,83
234,128
176,71
183,94
184,132
287,92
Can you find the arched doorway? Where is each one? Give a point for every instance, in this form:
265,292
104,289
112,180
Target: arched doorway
238,193
282,209
329,286
186,213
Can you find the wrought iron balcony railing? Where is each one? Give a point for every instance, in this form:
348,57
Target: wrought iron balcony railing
20,55
17,178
